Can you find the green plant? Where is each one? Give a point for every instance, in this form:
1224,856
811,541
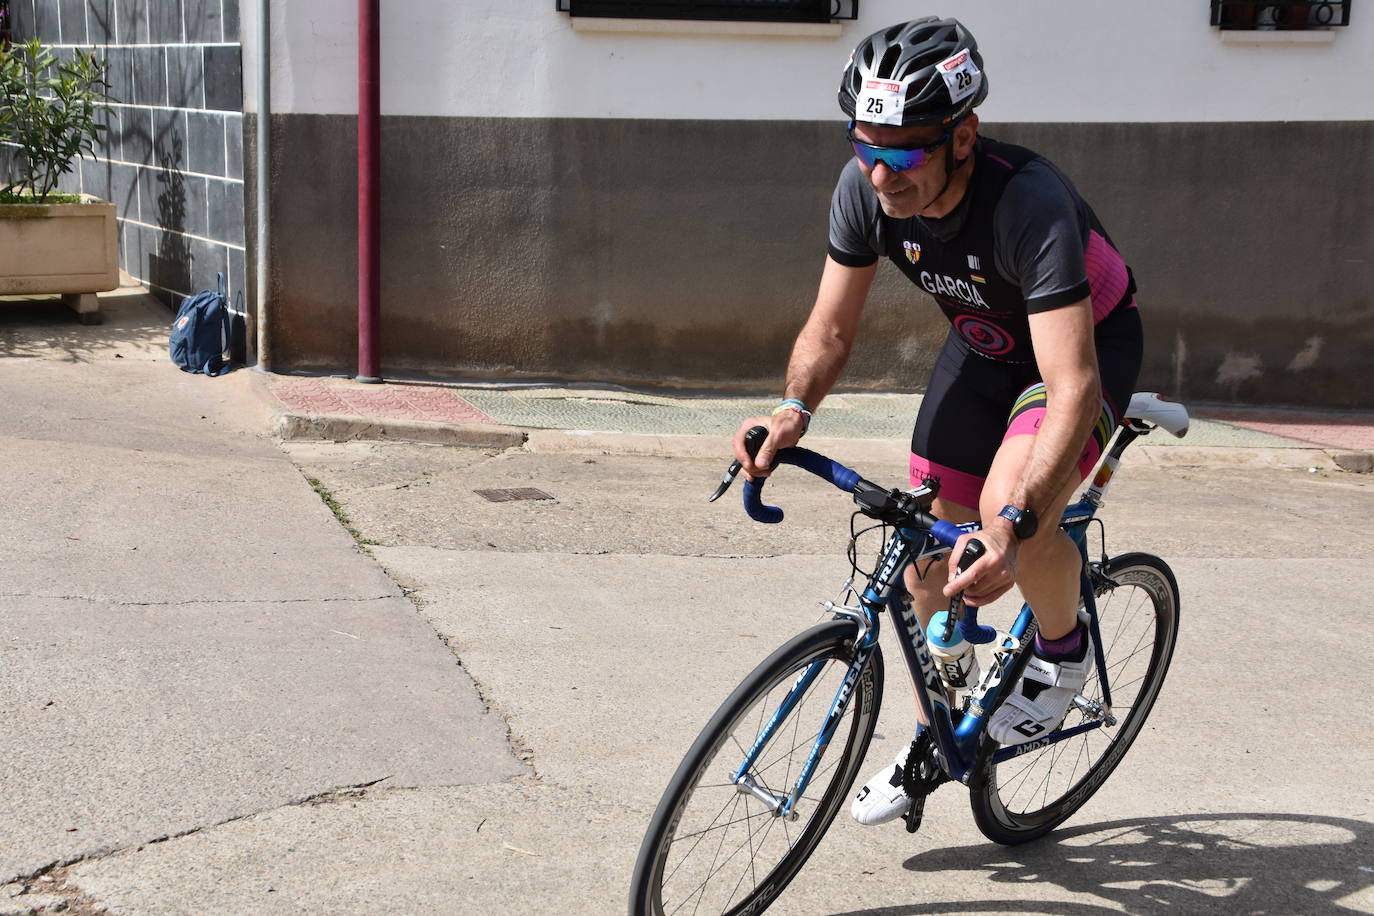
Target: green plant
48,114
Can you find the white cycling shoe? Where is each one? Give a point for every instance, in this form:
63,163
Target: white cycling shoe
1041,698
881,799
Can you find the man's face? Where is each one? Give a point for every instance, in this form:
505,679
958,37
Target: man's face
906,193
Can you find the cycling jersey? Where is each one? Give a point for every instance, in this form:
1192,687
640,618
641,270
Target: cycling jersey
1022,240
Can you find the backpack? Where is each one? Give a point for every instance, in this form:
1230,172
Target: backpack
199,341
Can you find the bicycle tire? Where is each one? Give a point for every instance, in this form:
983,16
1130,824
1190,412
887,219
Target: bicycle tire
735,821
1027,796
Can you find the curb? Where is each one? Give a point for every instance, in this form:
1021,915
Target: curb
1357,462
288,426
1224,456
855,452
859,452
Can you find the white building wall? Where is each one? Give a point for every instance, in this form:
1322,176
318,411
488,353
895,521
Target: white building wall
1047,60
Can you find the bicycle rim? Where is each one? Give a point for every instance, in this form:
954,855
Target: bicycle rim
1027,796
714,849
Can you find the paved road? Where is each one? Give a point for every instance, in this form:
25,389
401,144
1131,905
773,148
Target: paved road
252,714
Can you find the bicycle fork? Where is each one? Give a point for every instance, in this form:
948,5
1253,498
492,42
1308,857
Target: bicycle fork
786,805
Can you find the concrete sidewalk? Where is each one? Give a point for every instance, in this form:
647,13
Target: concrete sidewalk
188,636
620,421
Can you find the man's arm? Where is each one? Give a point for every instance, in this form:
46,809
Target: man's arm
821,350
1067,359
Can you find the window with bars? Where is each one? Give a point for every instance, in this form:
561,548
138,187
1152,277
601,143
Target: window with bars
1280,15
722,10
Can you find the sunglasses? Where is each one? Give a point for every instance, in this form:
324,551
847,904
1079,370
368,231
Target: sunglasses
896,158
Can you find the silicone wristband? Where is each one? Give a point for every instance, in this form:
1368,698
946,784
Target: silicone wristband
795,405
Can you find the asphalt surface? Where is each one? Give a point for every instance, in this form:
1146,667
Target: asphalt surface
242,674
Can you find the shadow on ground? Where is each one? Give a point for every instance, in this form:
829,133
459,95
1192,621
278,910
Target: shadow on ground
33,328
1222,863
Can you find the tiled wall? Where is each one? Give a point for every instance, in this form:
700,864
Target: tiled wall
173,158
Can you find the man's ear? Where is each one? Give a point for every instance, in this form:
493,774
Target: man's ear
964,135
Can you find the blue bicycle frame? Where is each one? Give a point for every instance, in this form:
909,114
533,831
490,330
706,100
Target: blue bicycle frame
958,745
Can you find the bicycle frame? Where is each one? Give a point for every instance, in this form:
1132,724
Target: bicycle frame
958,746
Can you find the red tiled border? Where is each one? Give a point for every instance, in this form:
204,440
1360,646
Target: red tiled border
385,402
1351,430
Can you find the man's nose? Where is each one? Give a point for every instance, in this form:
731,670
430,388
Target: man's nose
882,176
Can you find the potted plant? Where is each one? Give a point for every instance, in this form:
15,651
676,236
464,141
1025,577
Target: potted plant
52,242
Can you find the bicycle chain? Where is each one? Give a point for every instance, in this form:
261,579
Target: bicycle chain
922,773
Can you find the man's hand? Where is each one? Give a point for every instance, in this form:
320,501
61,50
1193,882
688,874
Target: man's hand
784,431
992,575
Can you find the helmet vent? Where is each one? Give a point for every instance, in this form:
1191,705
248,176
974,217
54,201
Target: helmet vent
889,62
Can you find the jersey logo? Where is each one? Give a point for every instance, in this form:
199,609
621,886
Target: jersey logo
973,262
983,335
950,288
913,251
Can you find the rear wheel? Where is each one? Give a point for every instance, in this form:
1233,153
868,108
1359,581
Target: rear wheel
1029,795
717,847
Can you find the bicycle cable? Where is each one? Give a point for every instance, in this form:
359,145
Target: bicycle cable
853,551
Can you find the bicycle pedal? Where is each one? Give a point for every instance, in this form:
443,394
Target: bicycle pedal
915,814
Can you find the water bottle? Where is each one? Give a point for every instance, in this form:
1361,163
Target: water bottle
954,657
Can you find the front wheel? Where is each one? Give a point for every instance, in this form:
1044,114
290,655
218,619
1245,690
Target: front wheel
717,846
1027,796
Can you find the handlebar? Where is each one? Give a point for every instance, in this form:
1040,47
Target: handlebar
887,505
892,506
825,468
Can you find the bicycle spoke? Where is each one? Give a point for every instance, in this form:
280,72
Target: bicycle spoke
701,835
1128,627
715,870
729,843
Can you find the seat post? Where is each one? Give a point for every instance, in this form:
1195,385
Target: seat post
1126,433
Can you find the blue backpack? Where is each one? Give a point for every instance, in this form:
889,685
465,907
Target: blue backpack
199,341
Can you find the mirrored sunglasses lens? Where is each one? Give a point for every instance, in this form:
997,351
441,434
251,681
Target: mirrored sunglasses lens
898,160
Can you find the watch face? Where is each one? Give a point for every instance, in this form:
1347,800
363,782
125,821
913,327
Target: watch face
1023,521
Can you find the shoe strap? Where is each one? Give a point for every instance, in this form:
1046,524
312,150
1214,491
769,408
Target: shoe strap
1070,675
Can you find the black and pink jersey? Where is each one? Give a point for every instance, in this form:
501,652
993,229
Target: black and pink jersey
1021,241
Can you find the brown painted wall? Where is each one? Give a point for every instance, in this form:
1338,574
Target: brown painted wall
686,253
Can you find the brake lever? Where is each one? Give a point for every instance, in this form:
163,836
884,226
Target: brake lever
753,441
973,550
730,474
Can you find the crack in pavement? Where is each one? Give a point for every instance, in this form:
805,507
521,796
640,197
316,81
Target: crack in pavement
177,603
518,747
338,793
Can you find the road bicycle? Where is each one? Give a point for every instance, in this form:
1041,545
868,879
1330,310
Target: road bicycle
767,775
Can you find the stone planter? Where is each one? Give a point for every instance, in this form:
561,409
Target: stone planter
60,248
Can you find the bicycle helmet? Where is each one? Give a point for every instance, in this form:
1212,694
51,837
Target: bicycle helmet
919,73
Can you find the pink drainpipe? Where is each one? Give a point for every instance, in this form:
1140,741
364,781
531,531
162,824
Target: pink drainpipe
369,189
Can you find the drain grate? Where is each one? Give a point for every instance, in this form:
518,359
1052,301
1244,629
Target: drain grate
512,494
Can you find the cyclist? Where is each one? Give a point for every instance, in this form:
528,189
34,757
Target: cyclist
1041,357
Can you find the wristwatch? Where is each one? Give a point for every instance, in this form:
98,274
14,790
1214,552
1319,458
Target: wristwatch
1024,523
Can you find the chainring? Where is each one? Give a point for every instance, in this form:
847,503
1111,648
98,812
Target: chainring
922,773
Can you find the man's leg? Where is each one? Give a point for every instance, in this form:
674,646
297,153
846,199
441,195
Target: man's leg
927,595
1047,565
1048,569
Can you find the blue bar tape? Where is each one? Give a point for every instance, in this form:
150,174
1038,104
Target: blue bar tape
823,467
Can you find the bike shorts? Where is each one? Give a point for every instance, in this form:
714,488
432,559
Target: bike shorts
973,404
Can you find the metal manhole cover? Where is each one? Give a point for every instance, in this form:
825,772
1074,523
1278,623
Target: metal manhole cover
512,494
